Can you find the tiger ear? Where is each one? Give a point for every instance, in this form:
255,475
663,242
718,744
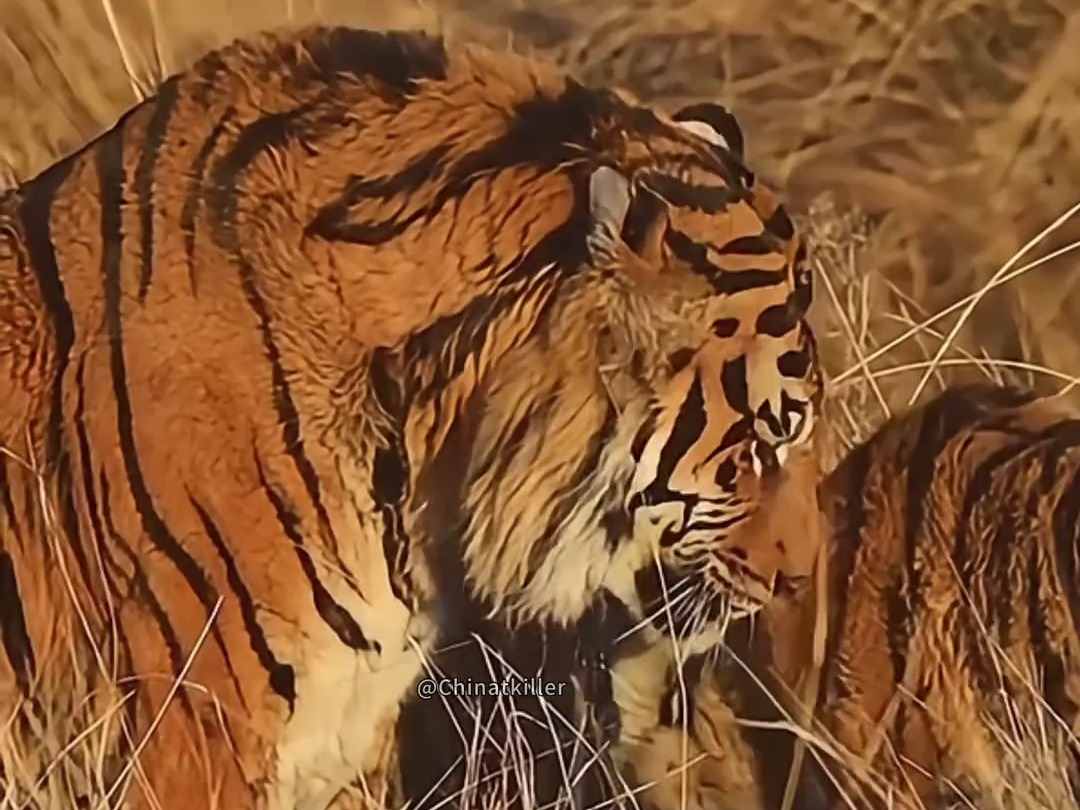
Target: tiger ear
624,219
715,124
609,200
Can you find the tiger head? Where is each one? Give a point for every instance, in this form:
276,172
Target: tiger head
623,379
722,494
729,507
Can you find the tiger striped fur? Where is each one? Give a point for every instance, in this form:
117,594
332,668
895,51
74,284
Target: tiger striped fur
952,660
635,637
334,323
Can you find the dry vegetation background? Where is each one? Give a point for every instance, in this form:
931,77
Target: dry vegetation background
926,141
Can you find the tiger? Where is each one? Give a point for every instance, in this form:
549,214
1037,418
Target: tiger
638,736
950,668
340,323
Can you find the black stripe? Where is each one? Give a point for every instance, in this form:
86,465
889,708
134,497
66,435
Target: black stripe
69,514
618,527
13,632
194,196
706,199
736,384
93,512
645,214
641,437
749,246
332,221
690,422
390,477
725,327
111,174
765,413
282,677
35,212
390,474
254,139
336,617
793,364
34,518
7,503
145,597
720,119
727,471
724,282
154,138
738,431
720,526
397,60
69,518
800,299
776,321
779,223
267,132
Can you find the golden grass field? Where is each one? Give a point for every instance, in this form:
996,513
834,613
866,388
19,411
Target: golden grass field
932,147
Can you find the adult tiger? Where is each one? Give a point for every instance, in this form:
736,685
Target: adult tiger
338,319
952,655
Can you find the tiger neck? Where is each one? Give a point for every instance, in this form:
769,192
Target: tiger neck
527,510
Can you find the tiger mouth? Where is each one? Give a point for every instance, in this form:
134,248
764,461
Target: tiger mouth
690,604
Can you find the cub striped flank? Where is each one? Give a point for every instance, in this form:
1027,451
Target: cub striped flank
952,657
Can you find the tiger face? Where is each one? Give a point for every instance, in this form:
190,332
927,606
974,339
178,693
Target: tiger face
730,513
726,441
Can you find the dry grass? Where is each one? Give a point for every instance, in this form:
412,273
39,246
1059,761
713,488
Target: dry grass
925,142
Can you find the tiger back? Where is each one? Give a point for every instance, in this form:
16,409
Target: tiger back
336,325
952,661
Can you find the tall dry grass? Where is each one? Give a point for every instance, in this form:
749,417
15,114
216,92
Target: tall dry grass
925,144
